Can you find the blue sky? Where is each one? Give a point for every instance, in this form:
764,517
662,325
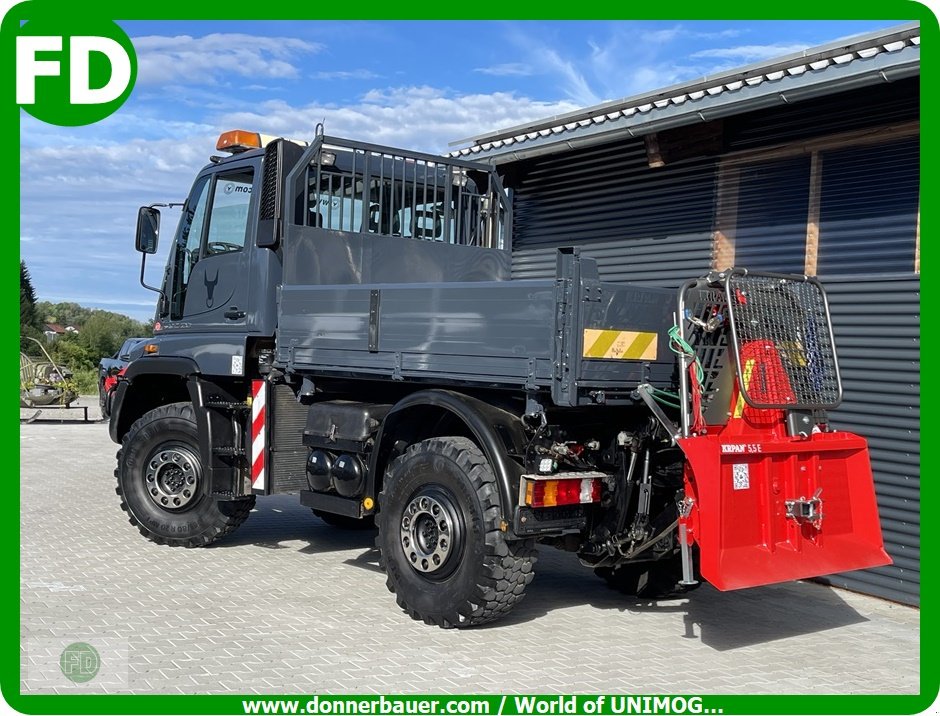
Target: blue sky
418,85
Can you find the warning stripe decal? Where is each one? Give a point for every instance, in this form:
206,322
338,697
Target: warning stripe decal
619,345
259,436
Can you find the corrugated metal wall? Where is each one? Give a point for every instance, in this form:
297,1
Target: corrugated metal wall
655,226
773,204
870,198
644,225
886,104
876,320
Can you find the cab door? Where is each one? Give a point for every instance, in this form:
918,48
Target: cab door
210,290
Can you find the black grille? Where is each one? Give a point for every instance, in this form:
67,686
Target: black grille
783,342
268,206
706,331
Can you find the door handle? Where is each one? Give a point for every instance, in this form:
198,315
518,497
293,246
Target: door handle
234,314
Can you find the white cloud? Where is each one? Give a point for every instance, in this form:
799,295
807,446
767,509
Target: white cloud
662,36
573,81
423,118
217,57
629,58
80,191
346,75
749,53
507,69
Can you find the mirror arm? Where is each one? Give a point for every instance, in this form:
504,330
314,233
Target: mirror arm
143,264
164,299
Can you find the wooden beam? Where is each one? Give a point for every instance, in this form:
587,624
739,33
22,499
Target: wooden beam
653,155
876,135
812,219
726,218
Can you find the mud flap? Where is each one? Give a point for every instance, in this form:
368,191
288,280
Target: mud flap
779,509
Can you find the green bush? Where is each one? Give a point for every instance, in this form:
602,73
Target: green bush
86,381
69,351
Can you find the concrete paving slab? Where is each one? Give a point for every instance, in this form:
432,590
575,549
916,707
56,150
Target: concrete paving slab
289,604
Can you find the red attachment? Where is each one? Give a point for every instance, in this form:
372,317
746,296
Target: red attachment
110,380
765,379
767,507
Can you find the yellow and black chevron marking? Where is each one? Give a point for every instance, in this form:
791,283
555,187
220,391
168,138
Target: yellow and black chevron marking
619,345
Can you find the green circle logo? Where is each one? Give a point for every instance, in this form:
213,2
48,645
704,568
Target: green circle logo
80,662
73,76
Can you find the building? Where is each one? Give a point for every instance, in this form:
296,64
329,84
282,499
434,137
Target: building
52,331
804,164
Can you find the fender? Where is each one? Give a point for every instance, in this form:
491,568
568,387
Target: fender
496,431
149,366
170,379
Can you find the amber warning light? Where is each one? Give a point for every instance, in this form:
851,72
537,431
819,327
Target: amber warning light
238,140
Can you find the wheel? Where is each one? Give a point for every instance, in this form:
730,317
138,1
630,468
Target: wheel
440,543
346,523
104,401
163,486
658,579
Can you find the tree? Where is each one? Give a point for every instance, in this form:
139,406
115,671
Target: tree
29,315
70,353
104,332
27,300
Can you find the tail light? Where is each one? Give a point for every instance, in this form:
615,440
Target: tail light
560,490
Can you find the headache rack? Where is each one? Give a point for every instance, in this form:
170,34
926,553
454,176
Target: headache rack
779,333
364,188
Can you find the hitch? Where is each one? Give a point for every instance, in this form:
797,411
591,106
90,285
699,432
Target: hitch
805,511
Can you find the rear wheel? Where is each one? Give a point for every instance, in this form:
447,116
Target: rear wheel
440,539
163,484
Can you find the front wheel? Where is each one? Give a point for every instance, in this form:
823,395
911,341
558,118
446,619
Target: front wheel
163,484
440,538
104,400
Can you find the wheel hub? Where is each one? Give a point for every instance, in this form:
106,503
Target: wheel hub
172,476
429,532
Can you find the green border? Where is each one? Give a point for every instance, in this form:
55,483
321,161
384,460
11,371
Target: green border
736,9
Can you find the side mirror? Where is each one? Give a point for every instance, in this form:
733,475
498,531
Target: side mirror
148,229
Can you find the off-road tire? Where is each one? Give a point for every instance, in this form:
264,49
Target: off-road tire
345,522
104,401
204,519
484,575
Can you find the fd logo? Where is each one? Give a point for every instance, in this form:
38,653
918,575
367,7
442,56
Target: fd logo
73,73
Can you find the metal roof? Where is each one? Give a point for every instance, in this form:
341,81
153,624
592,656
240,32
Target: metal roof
882,56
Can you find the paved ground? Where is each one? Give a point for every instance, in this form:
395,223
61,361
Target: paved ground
288,604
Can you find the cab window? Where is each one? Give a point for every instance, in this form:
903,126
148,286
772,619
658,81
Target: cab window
228,223
214,222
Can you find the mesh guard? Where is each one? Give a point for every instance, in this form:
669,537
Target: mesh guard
782,341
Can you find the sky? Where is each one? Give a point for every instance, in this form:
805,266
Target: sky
415,85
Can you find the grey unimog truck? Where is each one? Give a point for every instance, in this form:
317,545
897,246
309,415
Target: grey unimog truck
337,320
